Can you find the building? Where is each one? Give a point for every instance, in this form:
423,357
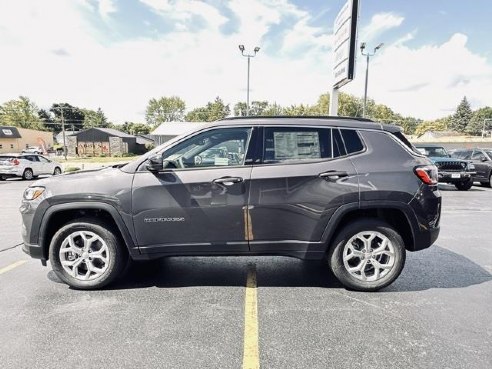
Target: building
169,130
16,139
104,141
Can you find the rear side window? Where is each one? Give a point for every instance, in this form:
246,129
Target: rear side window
296,143
352,141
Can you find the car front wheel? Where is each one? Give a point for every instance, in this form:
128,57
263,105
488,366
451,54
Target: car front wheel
367,255
57,171
464,186
86,254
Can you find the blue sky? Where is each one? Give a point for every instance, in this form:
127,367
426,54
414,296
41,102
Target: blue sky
118,54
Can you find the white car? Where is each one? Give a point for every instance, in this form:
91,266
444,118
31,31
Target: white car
27,166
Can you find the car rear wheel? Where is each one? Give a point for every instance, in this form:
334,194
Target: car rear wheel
367,255
464,186
57,171
28,174
87,254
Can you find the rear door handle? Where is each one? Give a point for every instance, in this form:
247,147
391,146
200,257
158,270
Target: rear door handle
333,175
227,181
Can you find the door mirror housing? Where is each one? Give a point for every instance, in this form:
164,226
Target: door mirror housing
155,163
483,158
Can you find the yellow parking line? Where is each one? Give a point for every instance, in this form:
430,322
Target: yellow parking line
12,266
251,356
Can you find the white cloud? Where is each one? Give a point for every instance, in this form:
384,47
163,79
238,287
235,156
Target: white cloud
379,24
429,81
55,55
106,8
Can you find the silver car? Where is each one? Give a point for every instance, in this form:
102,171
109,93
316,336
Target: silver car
27,166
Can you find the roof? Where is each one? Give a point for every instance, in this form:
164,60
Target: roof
109,131
176,128
9,132
349,122
142,140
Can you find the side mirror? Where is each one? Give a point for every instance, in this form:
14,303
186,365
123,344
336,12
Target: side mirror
155,163
483,158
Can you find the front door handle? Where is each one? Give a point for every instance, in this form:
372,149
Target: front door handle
333,175
227,181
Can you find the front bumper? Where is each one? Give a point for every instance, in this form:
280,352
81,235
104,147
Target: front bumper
454,177
34,251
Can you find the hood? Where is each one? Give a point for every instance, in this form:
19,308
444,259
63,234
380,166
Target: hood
439,159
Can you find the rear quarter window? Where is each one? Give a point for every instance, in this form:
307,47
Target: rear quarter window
352,140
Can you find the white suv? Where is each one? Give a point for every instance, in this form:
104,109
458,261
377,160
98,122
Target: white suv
26,166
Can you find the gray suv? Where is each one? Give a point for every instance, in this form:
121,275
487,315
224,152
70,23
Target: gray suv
349,191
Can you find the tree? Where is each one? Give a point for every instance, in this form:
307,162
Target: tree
211,112
258,108
350,106
462,117
478,121
48,120
72,116
136,128
20,113
95,119
435,125
165,109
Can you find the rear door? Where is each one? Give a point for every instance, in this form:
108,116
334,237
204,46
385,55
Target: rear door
32,161
303,177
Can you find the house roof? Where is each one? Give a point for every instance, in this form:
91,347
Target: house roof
109,131
9,132
142,140
176,128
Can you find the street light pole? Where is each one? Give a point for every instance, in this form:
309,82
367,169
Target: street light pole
367,55
249,56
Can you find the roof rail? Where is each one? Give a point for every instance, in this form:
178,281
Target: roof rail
328,117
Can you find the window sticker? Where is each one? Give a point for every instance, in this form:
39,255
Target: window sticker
221,161
296,145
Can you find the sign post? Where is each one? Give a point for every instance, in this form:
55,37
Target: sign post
345,33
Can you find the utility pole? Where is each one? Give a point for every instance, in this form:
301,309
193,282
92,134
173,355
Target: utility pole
367,55
249,56
63,130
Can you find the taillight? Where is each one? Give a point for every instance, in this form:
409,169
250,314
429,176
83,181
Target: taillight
15,161
427,174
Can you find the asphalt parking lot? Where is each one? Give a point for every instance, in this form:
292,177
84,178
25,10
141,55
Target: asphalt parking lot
190,312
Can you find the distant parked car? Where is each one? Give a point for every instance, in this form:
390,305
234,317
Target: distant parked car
482,159
450,170
27,166
32,150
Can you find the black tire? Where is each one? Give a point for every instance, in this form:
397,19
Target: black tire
2,178
28,174
57,171
464,186
489,183
117,255
335,255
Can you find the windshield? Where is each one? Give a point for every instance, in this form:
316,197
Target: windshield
437,152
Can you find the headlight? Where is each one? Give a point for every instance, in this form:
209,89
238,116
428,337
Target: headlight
471,166
32,193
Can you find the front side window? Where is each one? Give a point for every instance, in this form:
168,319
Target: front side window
43,159
214,148
477,155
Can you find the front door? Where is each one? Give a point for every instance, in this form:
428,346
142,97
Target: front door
197,204
304,177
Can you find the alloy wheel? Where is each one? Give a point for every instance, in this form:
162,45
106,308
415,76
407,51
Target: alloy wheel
84,255
369,256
